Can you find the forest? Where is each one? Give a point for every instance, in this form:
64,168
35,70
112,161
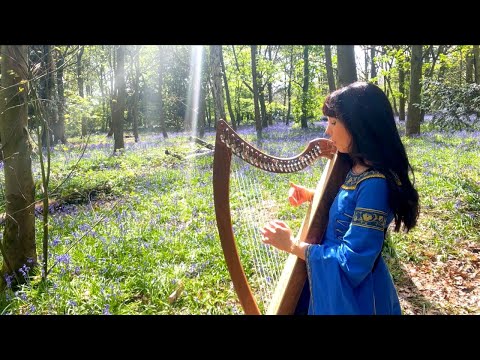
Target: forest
106,201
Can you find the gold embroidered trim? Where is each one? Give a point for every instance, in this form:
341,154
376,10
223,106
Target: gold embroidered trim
352,180
369,218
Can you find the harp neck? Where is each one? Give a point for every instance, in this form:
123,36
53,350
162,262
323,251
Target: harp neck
226,136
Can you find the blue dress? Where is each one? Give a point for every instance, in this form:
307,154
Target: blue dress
346,272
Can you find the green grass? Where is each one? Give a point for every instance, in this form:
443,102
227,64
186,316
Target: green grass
137,226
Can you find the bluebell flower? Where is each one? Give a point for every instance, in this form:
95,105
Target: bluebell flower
106,310
8,280
55,241
64,258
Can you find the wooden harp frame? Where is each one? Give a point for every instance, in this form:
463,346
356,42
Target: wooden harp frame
292,280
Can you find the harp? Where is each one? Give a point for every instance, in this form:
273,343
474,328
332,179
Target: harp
285,293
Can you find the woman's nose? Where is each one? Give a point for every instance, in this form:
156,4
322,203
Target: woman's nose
327,131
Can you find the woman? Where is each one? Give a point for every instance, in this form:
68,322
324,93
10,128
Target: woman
346,272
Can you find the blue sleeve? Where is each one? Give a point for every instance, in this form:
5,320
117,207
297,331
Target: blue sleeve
336,270
363,241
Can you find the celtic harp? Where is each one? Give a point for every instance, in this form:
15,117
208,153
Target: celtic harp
280,293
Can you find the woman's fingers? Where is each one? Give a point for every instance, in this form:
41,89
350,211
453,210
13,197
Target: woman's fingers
272,226
269,227
277,234
295,194
267,230
292,196
327,145
279,224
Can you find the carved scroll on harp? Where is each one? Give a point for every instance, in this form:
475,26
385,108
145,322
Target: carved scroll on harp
285,296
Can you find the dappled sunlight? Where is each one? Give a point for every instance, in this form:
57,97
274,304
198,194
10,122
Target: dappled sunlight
130,258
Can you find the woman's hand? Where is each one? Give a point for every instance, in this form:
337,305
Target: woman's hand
278,234
298,194
327,147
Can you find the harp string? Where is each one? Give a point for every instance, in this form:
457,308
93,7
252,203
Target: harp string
266,258
253,211
272,253
259,262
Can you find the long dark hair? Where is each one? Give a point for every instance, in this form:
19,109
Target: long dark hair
367,114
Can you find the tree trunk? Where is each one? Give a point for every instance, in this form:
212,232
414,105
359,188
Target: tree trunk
161,115
329,66
203,97
217,88
476,62
429,55
401,89
258,120
289,88
215,115
52,95
270,91
118,115
347,70
18,243
136,97
373,68
105,116
227,92
270,100
395,110
469,58
305,88
263,107
208,108
414,111
45,94
59,129
366,62
80,82
112,61
237,103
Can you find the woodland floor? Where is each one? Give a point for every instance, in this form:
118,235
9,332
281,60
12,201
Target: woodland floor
436,287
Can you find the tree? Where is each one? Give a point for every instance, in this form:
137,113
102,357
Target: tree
469,59
49,94
476,59
204,74
111,61
135,63
289,87
80,80
328,65
401,84
18,244
217,88
414,111
306,72
258,120
270,87
373,68
161,112
59,126
119,99
347,69
227,92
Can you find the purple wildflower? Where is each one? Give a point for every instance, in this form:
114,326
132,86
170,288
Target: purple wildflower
106,310
64,258
8,280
